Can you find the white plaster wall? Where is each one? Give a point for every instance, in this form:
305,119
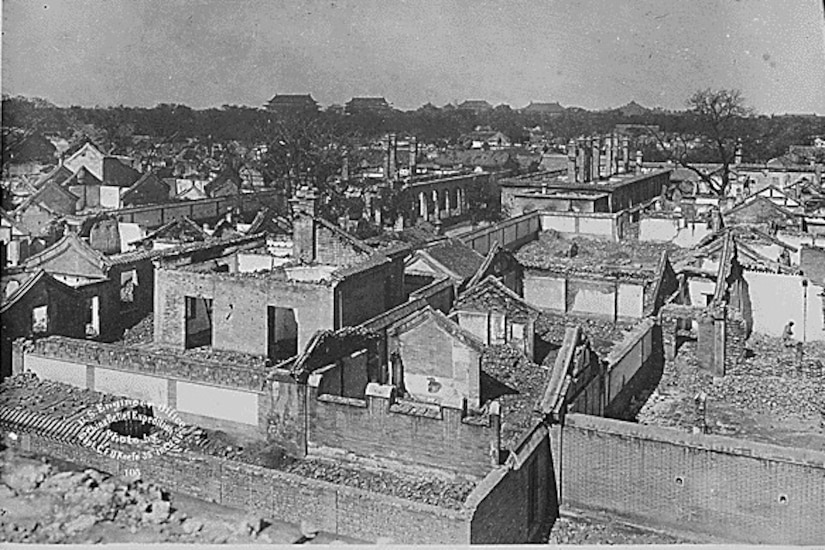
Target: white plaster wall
73,374
563,224
698,288
631,300
248,263
132,385
594,300
771,251
474,322
596,226
545,292
222,403
777,299
658,229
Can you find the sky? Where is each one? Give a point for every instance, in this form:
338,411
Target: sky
594,54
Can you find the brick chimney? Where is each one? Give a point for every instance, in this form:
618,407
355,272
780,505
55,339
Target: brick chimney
571,161
608,157
595,159
580,161
413,156
626,154
391,164
304,207
345,166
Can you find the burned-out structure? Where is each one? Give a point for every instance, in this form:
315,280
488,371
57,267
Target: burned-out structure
269,304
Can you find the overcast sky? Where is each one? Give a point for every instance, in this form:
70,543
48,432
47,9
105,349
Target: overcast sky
587,53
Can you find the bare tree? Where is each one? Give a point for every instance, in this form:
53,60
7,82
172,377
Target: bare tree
715,117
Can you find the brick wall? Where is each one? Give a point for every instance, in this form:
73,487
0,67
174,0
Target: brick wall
732,489
500,502
378,427
287,497
239,308
365,295
206,210
333,249
200,390
510,234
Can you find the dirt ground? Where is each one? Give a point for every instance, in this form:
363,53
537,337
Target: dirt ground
582,530
48,501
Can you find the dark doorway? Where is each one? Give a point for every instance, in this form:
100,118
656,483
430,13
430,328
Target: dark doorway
198,322
281,333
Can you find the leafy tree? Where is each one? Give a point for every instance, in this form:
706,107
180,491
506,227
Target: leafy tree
718,118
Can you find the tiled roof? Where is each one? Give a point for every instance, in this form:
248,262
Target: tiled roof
456,256
140,255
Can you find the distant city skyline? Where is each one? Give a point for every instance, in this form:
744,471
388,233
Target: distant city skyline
581,53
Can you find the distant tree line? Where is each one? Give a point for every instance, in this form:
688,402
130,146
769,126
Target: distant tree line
763,137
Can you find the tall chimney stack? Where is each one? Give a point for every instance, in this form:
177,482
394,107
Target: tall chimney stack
595,160
413,156
608,157
393,153
345,166
580,160
571,161
626,154
304,207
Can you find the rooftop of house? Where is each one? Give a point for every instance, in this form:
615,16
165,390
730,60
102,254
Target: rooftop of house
555,180
456,256
517,384
551,252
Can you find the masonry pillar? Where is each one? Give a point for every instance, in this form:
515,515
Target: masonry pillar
608,156
437,206
595,158
625,154
422,206
615,165
571,161
638,162
459,194
392,173
413,157
447,205
588,163
580,161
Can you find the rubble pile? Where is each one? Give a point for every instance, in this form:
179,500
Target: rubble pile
140,333
771,381
58,400
420,488
602,334
551,251
582,531
42,505
518,384
768,383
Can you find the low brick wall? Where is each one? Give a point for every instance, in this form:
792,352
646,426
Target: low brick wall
269,493
378,426
731,489
212,395
157,363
